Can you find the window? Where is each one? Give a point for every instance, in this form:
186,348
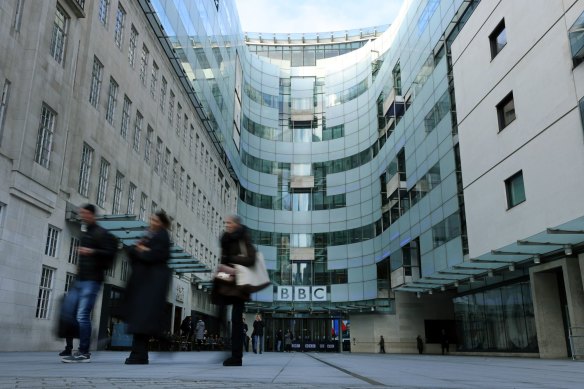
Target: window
112,101
85,170
119,186
174,174
158,157
103,11
143,200
96,75
153,80
576,36
125,117
102,183
18,15
515,190
194,197
178,117
188,191
506,111
148,144
163,93
581,113
119,29
498,39
73,251
69,280
137,131
131,199
45,293
59,37
191,140
166,167
171,107
44,143
185,128
181,183
3,105
125,270
144,64
153,207
2,211
52,241
110,271
132,47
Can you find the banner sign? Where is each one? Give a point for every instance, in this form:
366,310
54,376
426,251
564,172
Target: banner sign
301,293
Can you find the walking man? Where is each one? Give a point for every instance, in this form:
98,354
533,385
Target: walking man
382,345
97,248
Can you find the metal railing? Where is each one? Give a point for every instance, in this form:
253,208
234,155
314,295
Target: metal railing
576,335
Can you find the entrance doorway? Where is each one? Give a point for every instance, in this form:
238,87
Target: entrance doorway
308,334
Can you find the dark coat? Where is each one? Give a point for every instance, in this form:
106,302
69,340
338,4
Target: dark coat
145,296
231,253
258,328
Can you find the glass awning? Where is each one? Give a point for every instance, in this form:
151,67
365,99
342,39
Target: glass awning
129,230
535,249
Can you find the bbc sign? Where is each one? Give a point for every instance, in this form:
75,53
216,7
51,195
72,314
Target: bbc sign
301,293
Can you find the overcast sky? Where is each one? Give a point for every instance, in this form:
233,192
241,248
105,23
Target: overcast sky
314,15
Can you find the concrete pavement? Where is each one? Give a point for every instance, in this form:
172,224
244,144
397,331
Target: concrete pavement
287,370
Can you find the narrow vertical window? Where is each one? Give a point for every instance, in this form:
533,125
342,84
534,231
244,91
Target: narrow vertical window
112,101
96,78
194,198
85,170
52,242
185,127
515,189
125,117
498,39
138,131
69,280
131,199
125,270
171,107
506,111
132,47
119,29
142,212
153,207
163,93
103,11
59,35
144,64
191,140
188,191
181,183
104,168
148,144
4,106
45,293
73,251
158,157
178,117
154,80
166,167
118,188
174,174
18,15
45,137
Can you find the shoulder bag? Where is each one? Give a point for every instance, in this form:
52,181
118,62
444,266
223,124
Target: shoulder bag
252,278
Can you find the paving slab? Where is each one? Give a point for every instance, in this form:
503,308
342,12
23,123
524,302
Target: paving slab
288,370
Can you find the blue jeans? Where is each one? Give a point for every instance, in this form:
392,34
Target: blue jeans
79,303
258,343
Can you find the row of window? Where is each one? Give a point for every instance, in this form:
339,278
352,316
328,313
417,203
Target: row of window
289,134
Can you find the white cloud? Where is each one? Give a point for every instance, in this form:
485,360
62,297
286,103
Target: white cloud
314,15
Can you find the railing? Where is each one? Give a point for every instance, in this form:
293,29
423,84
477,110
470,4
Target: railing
576,334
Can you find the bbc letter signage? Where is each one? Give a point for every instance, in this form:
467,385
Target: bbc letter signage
301,293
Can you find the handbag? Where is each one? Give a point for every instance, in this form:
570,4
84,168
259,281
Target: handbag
252,278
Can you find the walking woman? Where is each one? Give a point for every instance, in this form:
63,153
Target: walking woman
236,248
146,291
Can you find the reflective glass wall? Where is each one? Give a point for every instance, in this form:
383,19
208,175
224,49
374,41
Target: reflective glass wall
499,319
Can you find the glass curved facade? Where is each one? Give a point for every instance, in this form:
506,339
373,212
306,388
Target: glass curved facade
344,147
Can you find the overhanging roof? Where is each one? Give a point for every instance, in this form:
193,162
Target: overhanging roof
564,239
128,229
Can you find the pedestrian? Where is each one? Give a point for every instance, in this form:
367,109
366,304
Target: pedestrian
420,344
97,248
245,337
145,295
258,329
235,236
200,333
382,345
279,340
288,341
444,342
185,327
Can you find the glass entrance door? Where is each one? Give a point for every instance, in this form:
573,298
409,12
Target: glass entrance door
308,334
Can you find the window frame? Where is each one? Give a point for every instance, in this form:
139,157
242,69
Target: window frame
501,117
45,136
493,39
4,97
59,36
119,27
511,203
45,295
112,101
85,170
102,183
96,80
52,241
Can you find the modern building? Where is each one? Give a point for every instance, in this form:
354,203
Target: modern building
385,173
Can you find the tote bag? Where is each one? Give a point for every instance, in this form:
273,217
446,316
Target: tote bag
253,278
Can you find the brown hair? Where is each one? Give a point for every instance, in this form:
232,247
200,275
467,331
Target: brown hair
161,215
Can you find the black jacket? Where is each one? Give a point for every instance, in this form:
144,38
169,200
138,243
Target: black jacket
145,295
258,328
92,267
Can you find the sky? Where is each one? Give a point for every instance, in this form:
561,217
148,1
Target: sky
314,15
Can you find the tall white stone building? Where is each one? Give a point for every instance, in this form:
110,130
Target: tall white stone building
93,110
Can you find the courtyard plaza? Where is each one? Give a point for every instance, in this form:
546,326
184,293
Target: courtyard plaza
288,370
